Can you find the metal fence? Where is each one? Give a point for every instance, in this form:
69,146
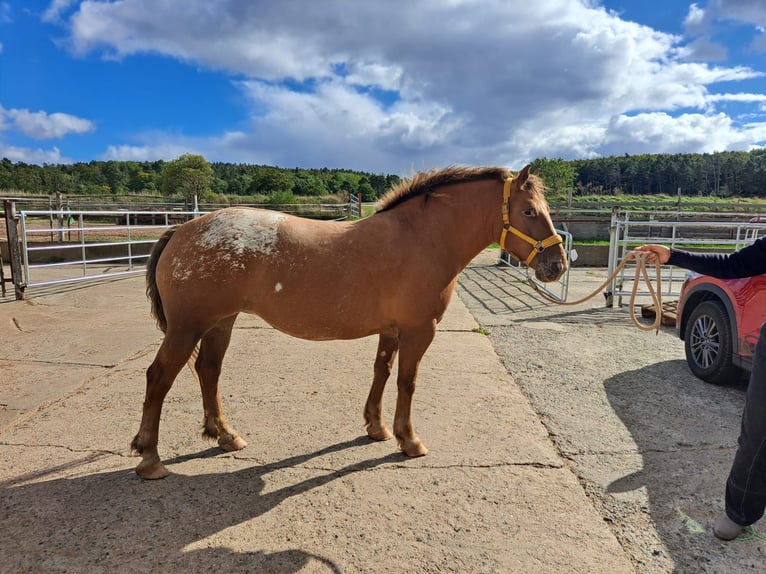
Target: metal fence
62,246
355,205
557,290
89,244
684,230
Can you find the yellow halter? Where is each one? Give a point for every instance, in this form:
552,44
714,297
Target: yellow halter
537,246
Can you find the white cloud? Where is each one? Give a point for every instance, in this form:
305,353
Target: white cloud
696,19
749,98
151,146
489,82
661,132
702,23
166,151
33,156
5,13
52,14
376,75
703,49
749,11
41,125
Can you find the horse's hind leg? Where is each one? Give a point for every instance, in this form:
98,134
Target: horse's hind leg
208,366
173,353
373,409
413,344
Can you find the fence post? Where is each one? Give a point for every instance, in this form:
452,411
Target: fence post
60,216
613,254
12,232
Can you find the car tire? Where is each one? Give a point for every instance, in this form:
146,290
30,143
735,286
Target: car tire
709,344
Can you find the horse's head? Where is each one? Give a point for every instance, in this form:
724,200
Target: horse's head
528,232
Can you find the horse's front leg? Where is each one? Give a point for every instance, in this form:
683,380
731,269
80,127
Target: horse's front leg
412,345
388,347
208,366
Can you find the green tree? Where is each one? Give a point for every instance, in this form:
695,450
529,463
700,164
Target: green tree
270,180
558,175
308,184
116,178
189,176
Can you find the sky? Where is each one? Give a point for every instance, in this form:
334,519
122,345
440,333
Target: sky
384,86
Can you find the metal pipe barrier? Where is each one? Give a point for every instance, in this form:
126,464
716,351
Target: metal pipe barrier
682,230
98,251
562,284
61,246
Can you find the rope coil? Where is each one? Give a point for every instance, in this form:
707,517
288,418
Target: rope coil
641,259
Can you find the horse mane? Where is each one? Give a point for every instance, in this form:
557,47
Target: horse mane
425,182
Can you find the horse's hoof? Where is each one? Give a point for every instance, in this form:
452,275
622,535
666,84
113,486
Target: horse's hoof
237,443
380,433
151,470
414,449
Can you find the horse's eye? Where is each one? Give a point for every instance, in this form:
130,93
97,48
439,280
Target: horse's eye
529,213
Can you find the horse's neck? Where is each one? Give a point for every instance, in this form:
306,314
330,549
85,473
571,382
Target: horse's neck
454,224
471,219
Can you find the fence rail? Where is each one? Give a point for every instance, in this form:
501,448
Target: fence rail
99,251
629,229
559,290
62,246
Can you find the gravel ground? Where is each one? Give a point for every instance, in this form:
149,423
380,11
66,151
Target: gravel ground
650,443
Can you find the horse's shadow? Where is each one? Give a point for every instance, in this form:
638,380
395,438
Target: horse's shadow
685,433
114,521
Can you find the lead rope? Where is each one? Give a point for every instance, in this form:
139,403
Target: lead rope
640,258
749,533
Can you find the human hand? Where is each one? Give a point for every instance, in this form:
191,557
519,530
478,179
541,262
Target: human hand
656,252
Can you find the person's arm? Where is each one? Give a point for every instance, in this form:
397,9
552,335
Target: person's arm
746,262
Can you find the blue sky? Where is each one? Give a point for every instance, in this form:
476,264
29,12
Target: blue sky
381,85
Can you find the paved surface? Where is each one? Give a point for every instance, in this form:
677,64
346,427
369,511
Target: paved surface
650,444
500,490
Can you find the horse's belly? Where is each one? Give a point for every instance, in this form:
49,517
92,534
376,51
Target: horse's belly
315,319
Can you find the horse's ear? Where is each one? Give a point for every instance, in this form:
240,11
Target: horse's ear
523,175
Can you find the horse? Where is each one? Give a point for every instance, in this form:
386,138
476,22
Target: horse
391,274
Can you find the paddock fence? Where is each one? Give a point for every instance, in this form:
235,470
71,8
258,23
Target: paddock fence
49,246
691,231
694,231
60,246
558,289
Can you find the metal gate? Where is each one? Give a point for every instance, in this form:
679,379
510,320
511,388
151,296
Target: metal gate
63,246
60,246
557,290
696,231
355,205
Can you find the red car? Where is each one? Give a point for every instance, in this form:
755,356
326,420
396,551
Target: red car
719,321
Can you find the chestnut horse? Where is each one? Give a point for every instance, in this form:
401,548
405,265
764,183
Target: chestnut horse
390,274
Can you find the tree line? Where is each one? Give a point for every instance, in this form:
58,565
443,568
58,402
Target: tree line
109,178
722,174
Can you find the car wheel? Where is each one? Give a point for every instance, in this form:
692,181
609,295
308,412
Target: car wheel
709,344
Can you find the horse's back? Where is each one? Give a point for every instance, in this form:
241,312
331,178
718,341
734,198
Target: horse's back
208,259
251,260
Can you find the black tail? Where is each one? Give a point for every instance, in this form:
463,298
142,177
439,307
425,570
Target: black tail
151,279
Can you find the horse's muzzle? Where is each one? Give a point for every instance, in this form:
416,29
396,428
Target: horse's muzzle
547,271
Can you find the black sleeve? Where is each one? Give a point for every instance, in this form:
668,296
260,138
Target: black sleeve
746,262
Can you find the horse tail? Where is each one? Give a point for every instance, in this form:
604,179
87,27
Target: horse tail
151,279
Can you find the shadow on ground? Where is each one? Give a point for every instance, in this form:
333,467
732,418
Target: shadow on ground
686,451
114,521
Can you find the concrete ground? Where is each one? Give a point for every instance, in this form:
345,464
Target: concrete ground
515,480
